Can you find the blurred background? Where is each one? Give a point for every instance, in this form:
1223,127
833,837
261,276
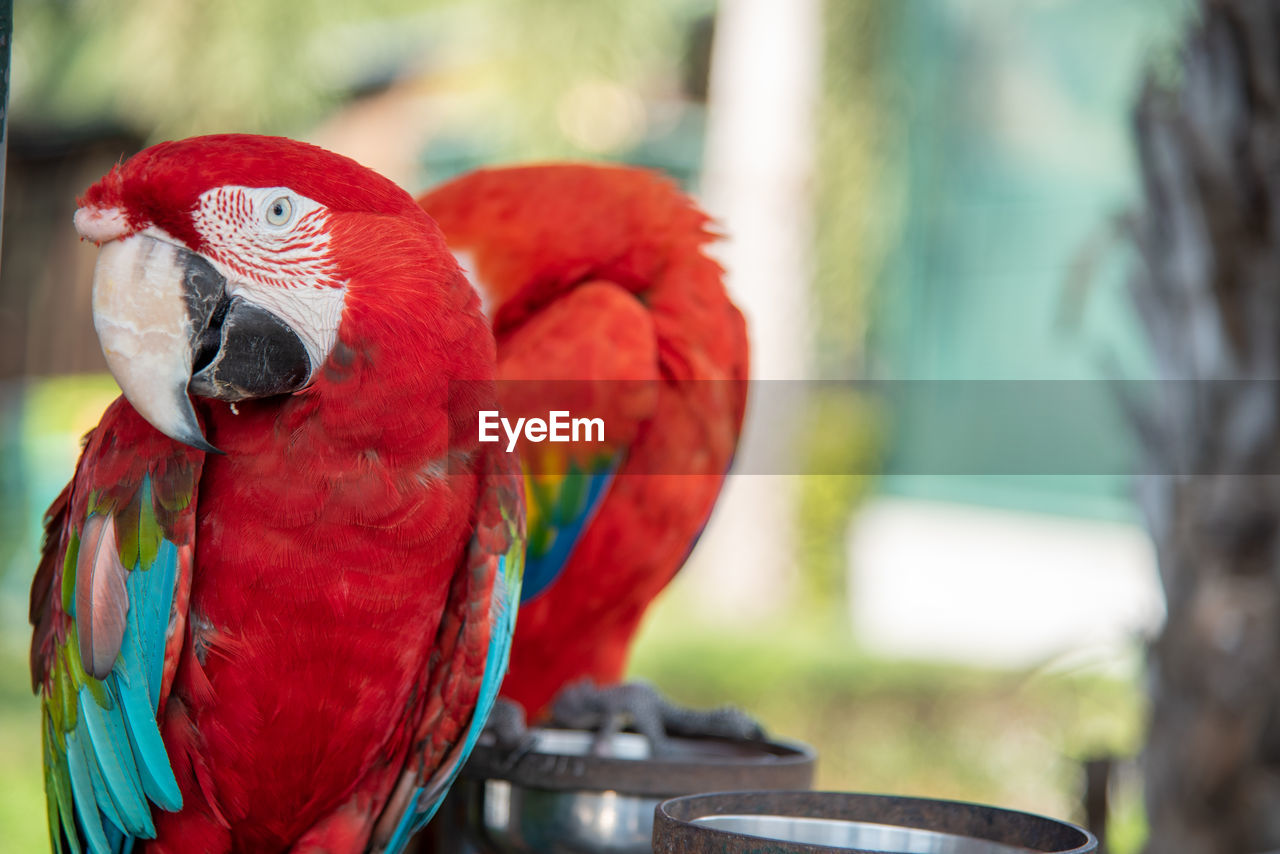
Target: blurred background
911,191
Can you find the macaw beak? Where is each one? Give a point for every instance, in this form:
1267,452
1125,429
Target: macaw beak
169,328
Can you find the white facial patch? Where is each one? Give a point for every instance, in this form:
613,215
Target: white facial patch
272,244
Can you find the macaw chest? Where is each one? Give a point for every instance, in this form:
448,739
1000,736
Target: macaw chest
322,682
313,637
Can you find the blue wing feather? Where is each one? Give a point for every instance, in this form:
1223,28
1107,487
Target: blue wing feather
151,592
560,508
112,758
140,670
82,793
103,800
112,752
146,746
503,615
427,799
509,568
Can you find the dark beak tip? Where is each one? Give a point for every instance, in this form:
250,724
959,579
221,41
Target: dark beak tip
203,445
191,434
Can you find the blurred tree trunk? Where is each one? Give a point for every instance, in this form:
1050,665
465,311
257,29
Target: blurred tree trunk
1209,294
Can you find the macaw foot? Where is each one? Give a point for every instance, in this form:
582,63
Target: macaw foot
639,707
508,732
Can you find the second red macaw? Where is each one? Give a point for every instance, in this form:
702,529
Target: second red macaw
598,275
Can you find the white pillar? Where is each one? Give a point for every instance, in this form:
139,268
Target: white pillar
757,183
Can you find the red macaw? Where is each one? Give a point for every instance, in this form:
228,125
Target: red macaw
597,274
276,599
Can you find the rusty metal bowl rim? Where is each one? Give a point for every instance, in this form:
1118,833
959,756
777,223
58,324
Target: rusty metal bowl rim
675,833
771,764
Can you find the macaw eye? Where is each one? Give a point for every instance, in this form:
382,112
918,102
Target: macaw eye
280,211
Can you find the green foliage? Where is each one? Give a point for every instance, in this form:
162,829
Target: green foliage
13,498
930,729
171,69
1128,829
22,807
54,405
41,432
841,435
535,57
177,68
857,217
859,192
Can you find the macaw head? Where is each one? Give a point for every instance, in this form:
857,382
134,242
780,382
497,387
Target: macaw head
228,265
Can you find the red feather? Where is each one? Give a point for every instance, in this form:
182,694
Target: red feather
101,600
324,541
599,273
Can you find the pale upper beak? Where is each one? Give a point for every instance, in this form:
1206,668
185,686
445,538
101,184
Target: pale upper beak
148,308
163,312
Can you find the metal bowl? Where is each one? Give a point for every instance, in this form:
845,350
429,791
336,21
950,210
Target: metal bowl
560,799
839,823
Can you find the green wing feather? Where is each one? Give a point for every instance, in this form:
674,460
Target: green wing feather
118,556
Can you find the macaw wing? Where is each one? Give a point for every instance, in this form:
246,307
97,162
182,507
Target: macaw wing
560,505
109,605
592,353
588,344
470,657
